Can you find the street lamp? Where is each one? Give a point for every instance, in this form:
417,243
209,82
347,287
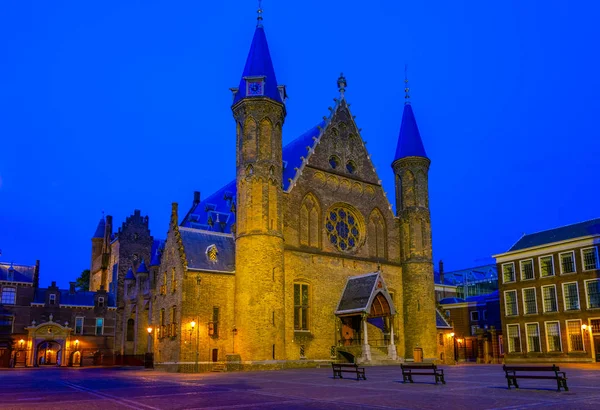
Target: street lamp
454,346
192,326
149,329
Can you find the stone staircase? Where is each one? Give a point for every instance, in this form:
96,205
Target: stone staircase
219,367
379,355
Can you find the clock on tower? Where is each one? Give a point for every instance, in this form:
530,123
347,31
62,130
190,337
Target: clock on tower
255,86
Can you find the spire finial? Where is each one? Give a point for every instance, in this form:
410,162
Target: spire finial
406,88
259,18
342,84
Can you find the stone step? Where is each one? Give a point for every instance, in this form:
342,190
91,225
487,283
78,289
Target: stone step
221,367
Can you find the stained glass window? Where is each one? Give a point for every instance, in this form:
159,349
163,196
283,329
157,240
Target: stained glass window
342,229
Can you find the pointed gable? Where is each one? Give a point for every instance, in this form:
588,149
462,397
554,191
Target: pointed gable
365,294
100,229
409,139
259,64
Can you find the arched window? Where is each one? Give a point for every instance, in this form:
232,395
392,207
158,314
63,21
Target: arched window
265,138
249,140
301,306
130,330
309,221
377,235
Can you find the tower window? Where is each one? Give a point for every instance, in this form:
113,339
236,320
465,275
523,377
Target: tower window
351,167
342,229
52,299
334,162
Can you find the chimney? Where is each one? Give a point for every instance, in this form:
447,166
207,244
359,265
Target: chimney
72,288
36,274
196,198
441,271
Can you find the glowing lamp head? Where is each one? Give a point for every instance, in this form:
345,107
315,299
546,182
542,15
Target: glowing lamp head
452,334
149,330
193,324
584,327
76,341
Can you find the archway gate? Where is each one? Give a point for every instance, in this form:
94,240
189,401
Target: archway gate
49,335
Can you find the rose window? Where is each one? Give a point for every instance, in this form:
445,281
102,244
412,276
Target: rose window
342,229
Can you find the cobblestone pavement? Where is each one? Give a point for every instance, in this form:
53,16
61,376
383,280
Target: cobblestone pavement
468,387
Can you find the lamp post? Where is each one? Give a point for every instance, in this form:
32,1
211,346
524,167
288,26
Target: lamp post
454,346
192,326
149,329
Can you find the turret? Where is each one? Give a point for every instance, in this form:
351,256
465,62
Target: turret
259,113
411,167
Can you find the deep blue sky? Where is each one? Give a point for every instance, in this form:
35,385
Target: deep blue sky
120,105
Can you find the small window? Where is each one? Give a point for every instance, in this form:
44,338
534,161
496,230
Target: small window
575,336
549,296
514,338
334,162
130,330
301,306
474,316
9,296
52,299
592,289
101,301
99,326
529,301
553,337
527,270
567,262
590,258
474,330
533,337
510,303
508,272
571,296
79,325
351,167
546,266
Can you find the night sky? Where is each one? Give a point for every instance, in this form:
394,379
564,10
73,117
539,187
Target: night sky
120,105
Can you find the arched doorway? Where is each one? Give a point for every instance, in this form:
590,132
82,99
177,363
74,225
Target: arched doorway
48,353
75,358
48,344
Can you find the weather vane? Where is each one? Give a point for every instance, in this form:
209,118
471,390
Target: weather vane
259,17
406,89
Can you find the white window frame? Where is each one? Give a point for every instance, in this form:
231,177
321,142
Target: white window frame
587,296
532,268
6,288
508,337
471,314
595,248
555,299
534,298
564,294
572,253
580,332
559,336
514,272
540,266
516,303
96,327
484,315
539,335
82,324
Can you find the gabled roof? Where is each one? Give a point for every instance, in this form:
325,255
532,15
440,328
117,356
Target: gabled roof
20,273
215,213
142,268
469,275
196,244
409,139
563,233
259,64
100,229
79,298
359,293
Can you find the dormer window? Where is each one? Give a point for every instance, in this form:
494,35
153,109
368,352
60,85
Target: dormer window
255,86
101,301
52,299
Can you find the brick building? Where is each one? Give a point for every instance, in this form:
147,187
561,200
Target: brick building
257,273
550,295
52,326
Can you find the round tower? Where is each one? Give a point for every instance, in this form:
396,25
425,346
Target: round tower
259,113
411,168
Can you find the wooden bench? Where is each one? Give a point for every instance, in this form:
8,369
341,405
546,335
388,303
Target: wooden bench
426,369
339,368
513,373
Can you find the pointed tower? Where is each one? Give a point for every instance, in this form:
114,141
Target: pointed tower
259,113
411,168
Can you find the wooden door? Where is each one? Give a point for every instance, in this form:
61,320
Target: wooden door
215,355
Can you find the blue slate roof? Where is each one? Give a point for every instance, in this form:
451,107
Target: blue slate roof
409,140
79,298
20,273
156,251
196,244
142,268
259,64
563,233
100,229
448,301
215,213
440,321
130,275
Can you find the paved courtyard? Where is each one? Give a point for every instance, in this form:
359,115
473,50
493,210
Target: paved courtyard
468,387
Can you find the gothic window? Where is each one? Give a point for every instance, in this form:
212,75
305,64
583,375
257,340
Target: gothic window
376,235
130,330
173,281
301,306
273,206
351,167
309,221
52,300
249,141
409,189
342,228
249,170
265,139
334,162
212,253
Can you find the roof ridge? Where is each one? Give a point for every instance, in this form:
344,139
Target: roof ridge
561,226
196,230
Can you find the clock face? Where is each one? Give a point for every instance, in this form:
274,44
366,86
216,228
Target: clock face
255,88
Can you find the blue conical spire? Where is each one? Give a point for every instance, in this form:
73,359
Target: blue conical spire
409,140
100,229
142,268
259,64
129,275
